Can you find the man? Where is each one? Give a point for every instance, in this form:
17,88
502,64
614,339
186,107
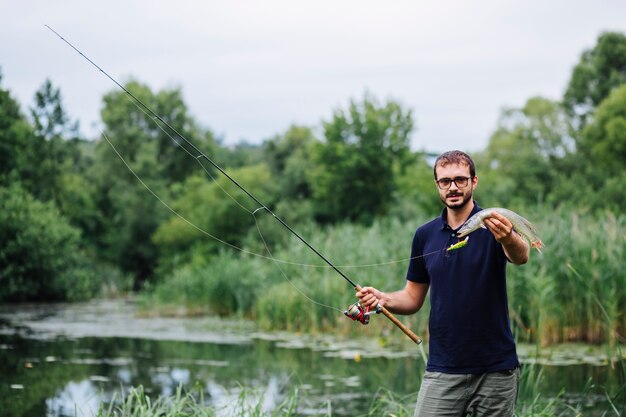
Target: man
472,366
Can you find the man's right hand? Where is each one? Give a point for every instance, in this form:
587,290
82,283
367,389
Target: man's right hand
370,297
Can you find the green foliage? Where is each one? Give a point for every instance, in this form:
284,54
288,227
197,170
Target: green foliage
216,208
523,156
130,215
131,126
52,150
50,119
240,155
18,156
353,174
562,156
40,254
541,292
289,159
223,285
599,71
604,145
136,403
415,195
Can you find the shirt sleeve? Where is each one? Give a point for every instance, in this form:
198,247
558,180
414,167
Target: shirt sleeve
417,270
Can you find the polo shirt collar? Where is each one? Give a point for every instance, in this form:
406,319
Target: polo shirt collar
444,215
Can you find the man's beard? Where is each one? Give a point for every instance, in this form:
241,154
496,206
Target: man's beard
455,206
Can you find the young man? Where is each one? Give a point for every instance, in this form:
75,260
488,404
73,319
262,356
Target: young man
472,365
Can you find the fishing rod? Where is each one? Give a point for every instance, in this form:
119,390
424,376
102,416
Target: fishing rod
355,311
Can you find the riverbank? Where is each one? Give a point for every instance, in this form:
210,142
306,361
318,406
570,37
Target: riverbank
123,318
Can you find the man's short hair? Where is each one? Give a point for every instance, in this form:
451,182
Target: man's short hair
454,157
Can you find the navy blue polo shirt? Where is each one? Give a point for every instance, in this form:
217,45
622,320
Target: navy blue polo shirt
469,325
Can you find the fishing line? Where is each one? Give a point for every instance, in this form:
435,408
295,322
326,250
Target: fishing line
285,275
271,257
159,120
235,247
199,155
253,213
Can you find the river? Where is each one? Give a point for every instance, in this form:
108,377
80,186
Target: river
60,360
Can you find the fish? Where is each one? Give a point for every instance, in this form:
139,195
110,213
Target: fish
520,224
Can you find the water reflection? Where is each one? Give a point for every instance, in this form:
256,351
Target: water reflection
71,377
61,376
75,399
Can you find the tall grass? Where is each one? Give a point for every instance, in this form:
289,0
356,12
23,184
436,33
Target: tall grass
136,403
552,298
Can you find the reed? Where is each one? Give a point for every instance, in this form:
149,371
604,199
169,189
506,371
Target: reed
553,298
136,403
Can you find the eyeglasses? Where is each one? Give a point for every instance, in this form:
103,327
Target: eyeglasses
445,183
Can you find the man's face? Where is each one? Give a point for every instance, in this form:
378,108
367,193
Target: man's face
456,196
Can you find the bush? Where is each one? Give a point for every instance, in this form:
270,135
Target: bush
40,253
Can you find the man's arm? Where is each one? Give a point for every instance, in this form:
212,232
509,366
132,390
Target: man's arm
515,247
406,301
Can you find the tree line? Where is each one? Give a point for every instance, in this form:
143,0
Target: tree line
75,221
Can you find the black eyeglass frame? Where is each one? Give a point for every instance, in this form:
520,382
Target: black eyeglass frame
456,180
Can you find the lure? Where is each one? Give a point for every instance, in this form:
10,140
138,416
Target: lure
458,245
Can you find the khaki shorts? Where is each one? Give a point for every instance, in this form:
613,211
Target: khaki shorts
458,395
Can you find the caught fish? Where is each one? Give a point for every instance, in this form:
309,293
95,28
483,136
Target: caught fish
520,224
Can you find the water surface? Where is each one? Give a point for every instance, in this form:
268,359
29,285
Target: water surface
65,360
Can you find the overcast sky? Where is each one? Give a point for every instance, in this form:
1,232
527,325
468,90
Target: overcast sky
249,69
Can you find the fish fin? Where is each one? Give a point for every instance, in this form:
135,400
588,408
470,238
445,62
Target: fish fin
528,224
483,225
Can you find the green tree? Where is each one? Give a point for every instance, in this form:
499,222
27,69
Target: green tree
40,253
353,178
218,208
288,156
239,155
129,213
161,158
131,125
524,154
50,119
598,72
56,143
602,151
18,157
416,194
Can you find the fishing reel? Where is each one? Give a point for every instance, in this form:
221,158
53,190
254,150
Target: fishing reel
361,314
